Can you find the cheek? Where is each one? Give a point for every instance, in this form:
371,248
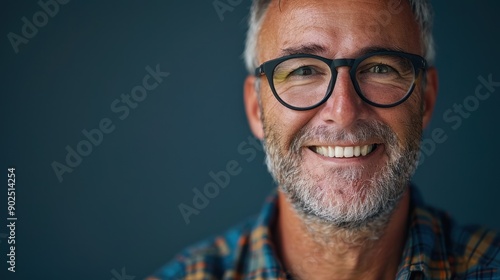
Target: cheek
283,123
405,120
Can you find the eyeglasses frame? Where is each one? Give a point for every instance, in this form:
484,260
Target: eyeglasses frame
267,68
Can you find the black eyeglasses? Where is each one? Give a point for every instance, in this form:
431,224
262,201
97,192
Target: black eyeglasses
305,81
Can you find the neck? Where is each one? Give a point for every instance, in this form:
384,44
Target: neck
313,249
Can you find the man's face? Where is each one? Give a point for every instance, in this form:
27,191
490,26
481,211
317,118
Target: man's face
347,191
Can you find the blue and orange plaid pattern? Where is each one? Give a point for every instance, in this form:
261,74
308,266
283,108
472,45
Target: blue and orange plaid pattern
436,248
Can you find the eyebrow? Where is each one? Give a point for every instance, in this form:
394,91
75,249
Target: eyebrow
304,49
379,49
319,49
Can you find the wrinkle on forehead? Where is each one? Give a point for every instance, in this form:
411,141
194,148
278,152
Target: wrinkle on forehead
341,27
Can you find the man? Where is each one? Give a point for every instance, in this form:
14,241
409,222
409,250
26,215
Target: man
340,104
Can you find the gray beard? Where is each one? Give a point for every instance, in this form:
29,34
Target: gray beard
340,200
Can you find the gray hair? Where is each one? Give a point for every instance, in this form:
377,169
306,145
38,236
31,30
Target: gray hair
422,10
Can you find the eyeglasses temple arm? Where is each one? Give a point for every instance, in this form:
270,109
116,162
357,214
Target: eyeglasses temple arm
259,71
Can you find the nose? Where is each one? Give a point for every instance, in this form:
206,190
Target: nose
344,106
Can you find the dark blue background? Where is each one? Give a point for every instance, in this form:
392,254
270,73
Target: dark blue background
119,207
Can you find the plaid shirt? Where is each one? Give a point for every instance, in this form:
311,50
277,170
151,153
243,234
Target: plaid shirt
436,248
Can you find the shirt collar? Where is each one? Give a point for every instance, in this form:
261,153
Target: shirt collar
424,254
264,263
424,251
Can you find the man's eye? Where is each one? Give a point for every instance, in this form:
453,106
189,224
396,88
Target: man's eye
381,69
303,71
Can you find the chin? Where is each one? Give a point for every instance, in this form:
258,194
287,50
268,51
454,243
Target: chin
342,197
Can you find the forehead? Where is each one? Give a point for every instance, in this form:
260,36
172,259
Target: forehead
341,28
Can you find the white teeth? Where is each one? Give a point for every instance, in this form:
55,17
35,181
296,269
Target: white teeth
348,151
331,152
338,152
357,151
364,150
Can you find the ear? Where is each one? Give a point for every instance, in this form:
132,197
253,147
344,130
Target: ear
430,94
252,107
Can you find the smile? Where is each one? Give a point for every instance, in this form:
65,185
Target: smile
343,151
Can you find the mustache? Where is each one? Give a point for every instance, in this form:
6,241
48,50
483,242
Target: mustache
362,130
